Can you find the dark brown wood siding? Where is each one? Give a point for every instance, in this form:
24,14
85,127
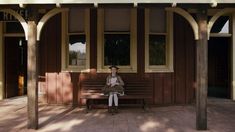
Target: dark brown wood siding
165,88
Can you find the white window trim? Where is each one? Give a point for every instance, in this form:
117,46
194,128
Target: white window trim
65,47
133,44
169,67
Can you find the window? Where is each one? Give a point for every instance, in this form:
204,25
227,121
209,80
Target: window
158,40
117,39
221,27
13,27
75,42
114,43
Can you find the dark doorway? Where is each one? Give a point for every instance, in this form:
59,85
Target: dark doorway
15,66
219,67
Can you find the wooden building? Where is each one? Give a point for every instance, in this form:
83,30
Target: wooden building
177,50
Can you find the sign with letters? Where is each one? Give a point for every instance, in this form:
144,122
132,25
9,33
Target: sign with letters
8,17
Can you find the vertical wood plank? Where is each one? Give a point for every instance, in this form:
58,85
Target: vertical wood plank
201,73
59,89
32,85
167,94
93,41
190,64
179,48
158,88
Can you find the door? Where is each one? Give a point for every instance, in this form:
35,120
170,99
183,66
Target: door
219,67
15,66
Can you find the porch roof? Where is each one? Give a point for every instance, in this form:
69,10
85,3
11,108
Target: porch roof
3,2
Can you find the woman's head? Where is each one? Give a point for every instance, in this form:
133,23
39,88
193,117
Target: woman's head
113,69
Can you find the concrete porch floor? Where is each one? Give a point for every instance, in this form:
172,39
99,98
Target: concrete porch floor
13,113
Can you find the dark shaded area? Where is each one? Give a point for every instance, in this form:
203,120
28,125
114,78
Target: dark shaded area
117,49
77,38
14,27
157,49
15,66
219,67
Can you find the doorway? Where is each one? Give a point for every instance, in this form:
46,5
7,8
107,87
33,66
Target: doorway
15,66
219,67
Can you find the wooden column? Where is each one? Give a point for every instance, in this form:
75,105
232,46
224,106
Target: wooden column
233,57
201,71
2,73
32,86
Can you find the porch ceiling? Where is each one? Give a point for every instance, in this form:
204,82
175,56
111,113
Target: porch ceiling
111,1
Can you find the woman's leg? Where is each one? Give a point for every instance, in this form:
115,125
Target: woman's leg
110,99
115,99
116,103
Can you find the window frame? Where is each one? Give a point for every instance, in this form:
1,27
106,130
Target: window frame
169,66
65,43
132,68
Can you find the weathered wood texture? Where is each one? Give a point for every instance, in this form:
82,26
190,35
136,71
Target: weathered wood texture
32,86
201,72
166,88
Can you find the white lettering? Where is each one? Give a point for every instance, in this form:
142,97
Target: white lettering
5,16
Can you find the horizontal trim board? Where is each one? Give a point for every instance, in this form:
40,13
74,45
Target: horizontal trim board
108,1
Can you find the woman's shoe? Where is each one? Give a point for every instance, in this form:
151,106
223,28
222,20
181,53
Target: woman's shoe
110,109
116,109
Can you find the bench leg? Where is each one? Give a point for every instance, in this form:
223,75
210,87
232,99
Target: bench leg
144,104
87,105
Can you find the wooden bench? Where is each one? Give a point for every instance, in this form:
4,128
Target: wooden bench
141,91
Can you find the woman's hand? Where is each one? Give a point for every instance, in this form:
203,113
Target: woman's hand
114,84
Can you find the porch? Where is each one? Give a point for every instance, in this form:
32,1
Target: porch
59,118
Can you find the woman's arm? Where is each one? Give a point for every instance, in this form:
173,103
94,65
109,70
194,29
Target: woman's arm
120,81
107,81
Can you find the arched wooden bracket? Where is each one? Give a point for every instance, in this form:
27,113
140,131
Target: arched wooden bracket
188,17
19,18
46,17
216,16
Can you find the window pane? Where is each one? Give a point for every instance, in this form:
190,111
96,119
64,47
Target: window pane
77,50
14,27
157,20
157,50
221,25
117,49
76,20
117,19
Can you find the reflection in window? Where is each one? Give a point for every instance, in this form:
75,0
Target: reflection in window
117,49
157,49
77,50
221,25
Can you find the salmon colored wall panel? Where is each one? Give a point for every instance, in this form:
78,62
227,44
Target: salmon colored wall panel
67,88
51,81
42,91
59,87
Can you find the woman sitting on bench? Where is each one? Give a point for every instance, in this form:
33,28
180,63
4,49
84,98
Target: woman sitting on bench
113,88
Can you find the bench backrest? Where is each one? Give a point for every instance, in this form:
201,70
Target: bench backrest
89,87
